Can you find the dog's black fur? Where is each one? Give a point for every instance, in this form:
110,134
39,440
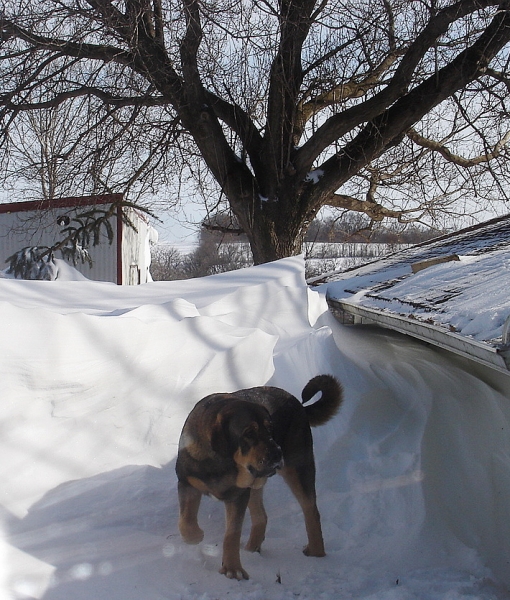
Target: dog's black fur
231,443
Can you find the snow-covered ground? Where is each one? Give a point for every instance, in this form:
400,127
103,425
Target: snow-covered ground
413,475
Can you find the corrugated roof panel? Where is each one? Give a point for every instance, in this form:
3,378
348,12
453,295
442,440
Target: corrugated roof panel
462,306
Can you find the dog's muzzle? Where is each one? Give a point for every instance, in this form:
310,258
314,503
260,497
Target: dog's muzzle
266,471
271,464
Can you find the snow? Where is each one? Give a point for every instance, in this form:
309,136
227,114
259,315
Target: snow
468,296
314,176
413,474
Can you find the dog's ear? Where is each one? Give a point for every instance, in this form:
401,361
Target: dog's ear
220,441
230,431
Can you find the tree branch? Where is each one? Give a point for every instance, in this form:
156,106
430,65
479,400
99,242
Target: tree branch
377,212
343,92
112,17
240,122
387,129
189,48
339,125
158,22
285,80
499,76
222,229
103,53
455,158
106,97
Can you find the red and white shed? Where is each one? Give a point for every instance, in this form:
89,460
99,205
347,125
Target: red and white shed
125,261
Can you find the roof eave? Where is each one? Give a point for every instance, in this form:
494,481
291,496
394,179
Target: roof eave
496,358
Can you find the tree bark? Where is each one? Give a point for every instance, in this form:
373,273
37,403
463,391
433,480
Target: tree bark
274,186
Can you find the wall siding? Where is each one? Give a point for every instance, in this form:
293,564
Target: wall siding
39,227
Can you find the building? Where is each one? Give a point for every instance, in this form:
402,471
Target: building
125,260
451,292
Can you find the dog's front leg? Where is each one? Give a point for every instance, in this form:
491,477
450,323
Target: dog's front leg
189,503
258,520
231,562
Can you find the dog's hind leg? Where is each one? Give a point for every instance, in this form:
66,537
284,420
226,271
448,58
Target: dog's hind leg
302,483
258,520
189,503
231,562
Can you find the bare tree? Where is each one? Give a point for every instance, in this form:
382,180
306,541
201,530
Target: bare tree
395,109
39,143
74,148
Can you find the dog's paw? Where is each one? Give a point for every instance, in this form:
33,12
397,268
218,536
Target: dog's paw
307,551
234,572
192,535
253,546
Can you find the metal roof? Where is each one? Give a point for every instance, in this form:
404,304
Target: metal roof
370,293
68,202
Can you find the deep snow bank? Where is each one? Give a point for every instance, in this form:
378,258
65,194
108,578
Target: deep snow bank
413,474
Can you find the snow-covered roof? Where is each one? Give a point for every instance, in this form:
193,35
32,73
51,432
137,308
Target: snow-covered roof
452,291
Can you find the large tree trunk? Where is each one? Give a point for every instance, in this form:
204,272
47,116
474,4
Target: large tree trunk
271,239
275,228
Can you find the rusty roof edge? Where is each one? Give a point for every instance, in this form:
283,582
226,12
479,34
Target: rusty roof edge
57,203
496,358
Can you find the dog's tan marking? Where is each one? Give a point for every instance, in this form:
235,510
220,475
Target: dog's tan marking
258,483
195,449
258,520
315,546
199,484
244,478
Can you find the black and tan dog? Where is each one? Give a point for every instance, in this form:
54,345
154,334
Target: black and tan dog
231,443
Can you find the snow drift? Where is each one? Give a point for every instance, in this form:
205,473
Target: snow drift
413,473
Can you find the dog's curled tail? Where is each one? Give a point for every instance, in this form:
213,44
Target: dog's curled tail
328,404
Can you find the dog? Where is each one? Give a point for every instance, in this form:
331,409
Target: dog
231,443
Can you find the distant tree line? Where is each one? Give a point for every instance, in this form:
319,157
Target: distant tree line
219,250
351,227
357,228
208,258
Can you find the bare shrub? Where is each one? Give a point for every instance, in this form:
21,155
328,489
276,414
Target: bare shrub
209,258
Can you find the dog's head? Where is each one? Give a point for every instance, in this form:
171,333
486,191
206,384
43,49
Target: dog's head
243,432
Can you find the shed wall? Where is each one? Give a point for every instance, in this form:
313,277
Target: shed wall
39,227
136,249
